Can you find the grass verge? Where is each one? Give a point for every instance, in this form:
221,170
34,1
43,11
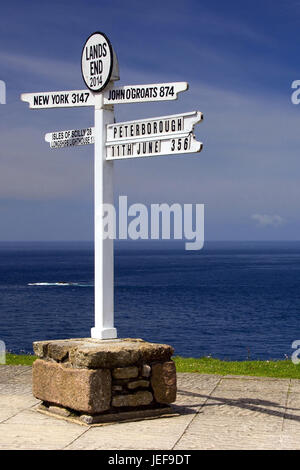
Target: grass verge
19,360
207,365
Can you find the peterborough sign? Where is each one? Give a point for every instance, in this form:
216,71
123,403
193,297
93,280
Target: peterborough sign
165,135
153,127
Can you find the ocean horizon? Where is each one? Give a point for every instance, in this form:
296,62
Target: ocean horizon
231,300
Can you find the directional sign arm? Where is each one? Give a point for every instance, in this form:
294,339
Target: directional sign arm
177,144
156,127
70,138
143,93
59,99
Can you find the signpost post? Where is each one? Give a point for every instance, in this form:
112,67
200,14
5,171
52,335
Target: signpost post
165,135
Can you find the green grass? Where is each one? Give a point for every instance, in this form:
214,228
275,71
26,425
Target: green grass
19,360
205,365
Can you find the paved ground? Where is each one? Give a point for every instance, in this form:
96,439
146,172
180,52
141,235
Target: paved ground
214,413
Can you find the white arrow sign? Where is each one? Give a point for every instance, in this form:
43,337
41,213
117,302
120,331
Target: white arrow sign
59,99
152,147
143,93
71,137
154,127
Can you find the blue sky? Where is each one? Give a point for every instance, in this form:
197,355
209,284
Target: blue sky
239,59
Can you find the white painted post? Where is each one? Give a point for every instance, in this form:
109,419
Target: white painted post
104,249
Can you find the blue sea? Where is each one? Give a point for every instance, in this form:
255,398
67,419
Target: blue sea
231,300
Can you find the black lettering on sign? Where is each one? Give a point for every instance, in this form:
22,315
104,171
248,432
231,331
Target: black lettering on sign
96,67
96,51
41,100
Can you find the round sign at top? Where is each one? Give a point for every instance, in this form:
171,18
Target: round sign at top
97,61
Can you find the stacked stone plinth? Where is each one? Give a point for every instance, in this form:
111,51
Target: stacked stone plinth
90,376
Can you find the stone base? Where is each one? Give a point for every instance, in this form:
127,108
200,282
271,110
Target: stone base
91,377
107,418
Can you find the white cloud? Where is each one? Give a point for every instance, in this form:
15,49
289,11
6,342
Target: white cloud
265,220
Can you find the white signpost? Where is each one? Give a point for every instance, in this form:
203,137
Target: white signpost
71,138
143,93
179,143
153,127
59,99
166,135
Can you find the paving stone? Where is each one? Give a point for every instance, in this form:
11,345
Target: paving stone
252,384
37,436
230,433
154,434
32,416
244,403
294,386
215,413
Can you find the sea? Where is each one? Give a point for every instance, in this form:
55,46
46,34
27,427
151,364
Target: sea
230,300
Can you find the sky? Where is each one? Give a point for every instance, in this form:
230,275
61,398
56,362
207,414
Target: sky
239,58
